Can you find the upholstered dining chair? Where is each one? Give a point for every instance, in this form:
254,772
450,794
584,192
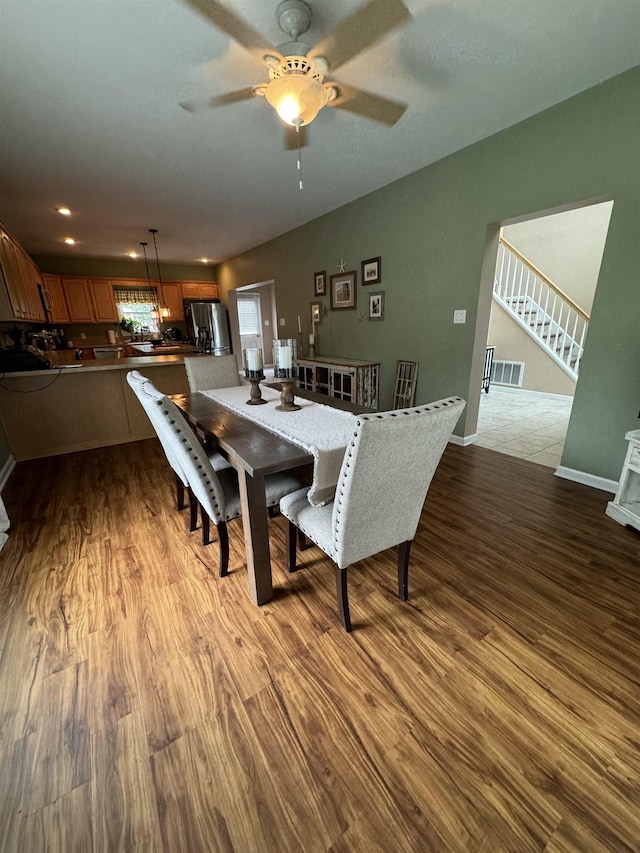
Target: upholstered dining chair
217,492
206,372
386,472
137,382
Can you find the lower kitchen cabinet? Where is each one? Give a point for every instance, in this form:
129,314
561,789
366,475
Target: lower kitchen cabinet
346,379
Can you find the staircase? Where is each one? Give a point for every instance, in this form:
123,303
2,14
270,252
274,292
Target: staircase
545,313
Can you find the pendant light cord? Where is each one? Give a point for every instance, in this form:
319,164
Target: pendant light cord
146,263
298,123
154,231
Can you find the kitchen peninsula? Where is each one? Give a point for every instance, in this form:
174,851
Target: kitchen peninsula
69,408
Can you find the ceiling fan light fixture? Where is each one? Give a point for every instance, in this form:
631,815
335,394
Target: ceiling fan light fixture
297,98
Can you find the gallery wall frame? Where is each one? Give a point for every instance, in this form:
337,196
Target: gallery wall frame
372,271
343,290
376,305
320,283
316,313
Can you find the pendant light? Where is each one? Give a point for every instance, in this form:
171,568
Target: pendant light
164,312
152,292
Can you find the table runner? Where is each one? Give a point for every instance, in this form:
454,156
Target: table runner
321,430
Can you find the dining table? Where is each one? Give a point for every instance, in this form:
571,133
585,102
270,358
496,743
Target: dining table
259,443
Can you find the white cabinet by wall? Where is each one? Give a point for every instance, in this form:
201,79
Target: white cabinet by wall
343,378
625,507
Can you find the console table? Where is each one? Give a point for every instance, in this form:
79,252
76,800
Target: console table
346,379
625,507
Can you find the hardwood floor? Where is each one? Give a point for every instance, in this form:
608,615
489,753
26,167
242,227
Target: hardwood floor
148,705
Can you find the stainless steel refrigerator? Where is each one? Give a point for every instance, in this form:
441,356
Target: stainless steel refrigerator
208,326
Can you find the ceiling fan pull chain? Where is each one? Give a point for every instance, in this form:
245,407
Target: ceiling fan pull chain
297,125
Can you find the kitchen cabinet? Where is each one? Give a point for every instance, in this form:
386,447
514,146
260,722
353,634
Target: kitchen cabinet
54,298
200,290
104,303
345,379
77,293
20,298
90,300
173,299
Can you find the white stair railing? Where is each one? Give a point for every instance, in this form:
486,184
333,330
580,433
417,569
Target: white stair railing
539,306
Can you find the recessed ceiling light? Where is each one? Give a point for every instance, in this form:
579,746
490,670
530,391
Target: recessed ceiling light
64,211
204,260
69,241
132,254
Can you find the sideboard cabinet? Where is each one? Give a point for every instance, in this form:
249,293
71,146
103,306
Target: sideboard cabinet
625,507
343,378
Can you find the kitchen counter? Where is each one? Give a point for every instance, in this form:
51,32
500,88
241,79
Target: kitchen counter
177,348
59,366
67,409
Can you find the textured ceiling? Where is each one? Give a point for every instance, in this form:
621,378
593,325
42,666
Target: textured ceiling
90,114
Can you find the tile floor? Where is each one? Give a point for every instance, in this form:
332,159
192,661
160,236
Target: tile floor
526,424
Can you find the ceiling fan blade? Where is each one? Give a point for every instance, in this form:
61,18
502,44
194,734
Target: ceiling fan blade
291,138
368,105
218,100
227,21
360,31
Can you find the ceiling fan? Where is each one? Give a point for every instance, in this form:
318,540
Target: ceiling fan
297,89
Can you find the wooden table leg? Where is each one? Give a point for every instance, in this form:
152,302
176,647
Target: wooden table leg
256,536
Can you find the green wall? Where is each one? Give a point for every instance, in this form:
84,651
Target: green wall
431,230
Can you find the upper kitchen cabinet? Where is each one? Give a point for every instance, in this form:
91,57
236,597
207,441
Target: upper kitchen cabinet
57,310
90,300
77,293
104,303
200,290
19,294
173,298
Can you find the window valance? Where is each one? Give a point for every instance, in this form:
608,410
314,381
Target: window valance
142,295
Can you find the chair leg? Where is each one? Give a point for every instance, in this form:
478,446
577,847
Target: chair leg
343,598
223,544
180,493
291,547
272,511
403,569
302,541
193,509
206,527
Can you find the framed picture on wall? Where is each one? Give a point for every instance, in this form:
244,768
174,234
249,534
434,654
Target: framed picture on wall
320,283
372,271
316,313
376,305
343,290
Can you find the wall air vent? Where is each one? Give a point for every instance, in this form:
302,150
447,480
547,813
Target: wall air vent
507,373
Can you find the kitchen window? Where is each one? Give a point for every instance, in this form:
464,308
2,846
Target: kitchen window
137,304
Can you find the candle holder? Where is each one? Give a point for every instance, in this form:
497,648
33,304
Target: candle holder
254,372
285,370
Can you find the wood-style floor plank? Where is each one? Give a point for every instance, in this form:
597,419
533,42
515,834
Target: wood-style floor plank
147,704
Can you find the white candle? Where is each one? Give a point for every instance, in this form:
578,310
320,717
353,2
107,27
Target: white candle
312,339
285,360
299,326
254,360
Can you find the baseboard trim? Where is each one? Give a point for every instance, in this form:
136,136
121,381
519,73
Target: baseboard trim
6,470
463,440
587,479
